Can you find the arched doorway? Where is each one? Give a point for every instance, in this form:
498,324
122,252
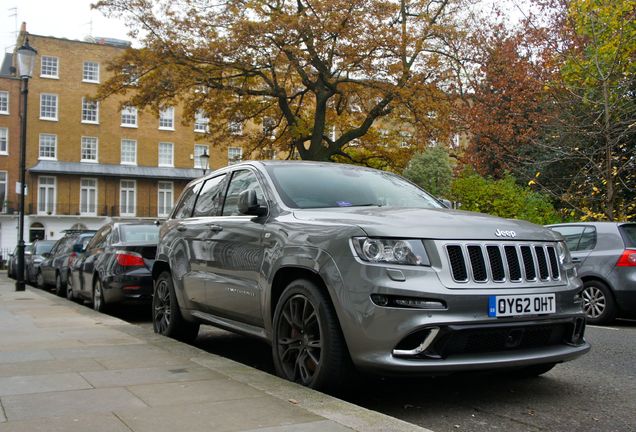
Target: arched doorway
36,232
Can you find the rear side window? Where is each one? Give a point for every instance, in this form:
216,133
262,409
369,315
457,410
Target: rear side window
588,239
139,233
186,203
211,197
628,232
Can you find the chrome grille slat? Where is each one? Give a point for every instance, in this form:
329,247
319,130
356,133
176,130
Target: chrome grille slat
499,262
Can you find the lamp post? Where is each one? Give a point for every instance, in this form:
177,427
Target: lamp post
205,161
26,60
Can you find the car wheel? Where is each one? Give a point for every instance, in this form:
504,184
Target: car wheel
308,346
70,295
99,303
598,303
39,280
166,315
60,289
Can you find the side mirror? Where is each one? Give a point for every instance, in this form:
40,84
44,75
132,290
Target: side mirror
46,254
248,204
78,248
446,203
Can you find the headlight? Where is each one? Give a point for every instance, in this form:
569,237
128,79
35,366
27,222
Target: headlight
391,251
564,253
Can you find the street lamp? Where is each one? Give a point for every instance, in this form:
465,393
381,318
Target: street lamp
205,161
26,60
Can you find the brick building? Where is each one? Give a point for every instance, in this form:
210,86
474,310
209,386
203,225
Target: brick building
91,161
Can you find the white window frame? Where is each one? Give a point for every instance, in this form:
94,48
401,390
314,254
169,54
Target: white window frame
166,119
165,163
57,105
85,140
86,102
132,113
45,199
88,188
3,206
197,153
235,127
45,59
121,159
234,160
4,141
4,98
54,157
84,70
164,191
128,189
201,122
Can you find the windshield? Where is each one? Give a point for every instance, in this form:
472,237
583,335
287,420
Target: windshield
139,233
320,186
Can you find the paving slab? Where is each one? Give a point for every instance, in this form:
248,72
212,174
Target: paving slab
74,423
317,426
15,385
223,416
126,377
68,403
43,367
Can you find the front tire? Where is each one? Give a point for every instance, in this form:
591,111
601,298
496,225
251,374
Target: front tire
39,280
308,346
598,303
70,295
166,315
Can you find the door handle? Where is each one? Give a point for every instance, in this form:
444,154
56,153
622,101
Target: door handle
181,228
215,227
576,260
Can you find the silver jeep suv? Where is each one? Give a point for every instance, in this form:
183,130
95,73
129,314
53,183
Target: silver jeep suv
339,266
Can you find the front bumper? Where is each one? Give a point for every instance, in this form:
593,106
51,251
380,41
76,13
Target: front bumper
466,337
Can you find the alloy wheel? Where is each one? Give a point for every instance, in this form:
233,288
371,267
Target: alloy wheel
161,307
298,341
69,287
97,297
40,280
594,302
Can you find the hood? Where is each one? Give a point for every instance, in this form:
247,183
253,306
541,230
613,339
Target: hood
429,223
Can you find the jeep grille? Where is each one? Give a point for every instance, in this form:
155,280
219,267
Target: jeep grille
507,262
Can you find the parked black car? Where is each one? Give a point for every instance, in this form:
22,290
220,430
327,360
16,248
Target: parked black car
12,261
33,257
115,266
56,268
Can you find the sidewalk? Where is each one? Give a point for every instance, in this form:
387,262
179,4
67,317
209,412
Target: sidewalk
64,367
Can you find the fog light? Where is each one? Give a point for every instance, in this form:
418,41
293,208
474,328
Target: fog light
419,304
380,300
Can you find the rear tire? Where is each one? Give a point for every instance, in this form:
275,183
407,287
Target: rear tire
60,288
598,303
70,295
308,346
39,280
99,303
166,315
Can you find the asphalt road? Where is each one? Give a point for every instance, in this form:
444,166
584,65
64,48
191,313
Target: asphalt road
595,393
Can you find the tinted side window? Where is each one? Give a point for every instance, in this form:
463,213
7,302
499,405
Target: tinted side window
186,203
241,181
628,231
572,235
209,202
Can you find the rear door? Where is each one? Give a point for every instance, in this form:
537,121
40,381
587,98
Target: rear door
235,254
581,240
196,232
93,250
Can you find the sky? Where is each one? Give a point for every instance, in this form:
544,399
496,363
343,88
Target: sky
69,19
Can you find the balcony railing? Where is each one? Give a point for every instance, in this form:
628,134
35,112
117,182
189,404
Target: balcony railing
74,209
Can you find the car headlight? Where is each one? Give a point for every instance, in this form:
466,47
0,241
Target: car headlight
563,253
391,251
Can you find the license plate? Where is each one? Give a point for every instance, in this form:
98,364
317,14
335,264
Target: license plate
515,305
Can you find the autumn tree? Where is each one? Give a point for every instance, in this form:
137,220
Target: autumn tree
323,74
432,170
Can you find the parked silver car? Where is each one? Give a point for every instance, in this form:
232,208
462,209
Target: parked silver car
338,265
605,254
